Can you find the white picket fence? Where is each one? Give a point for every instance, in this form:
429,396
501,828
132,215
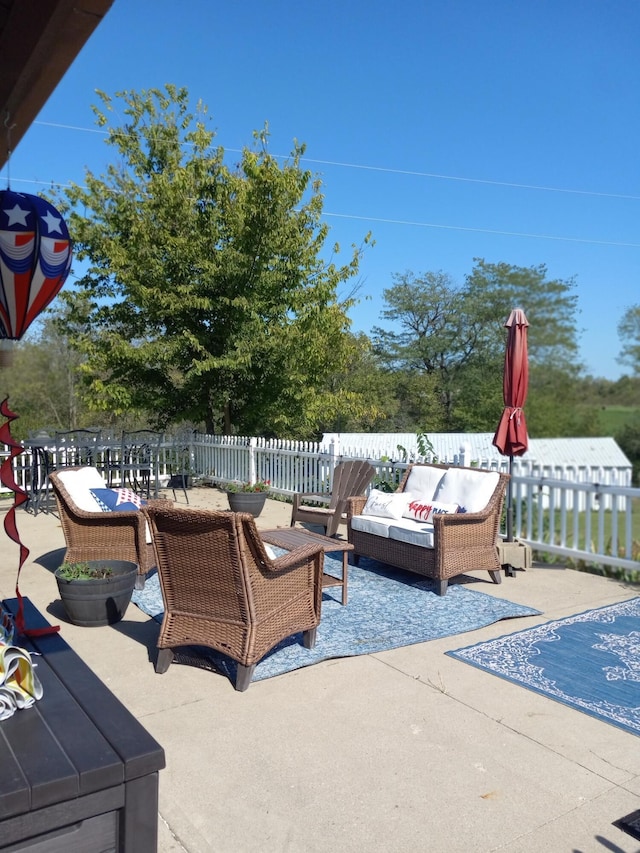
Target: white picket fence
551,513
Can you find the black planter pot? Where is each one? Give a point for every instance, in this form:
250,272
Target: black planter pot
252,502
92,603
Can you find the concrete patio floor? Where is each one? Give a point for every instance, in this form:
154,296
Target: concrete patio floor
407,750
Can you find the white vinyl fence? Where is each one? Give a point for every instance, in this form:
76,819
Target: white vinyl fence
553,514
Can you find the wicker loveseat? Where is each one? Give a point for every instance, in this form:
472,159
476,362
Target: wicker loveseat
441,522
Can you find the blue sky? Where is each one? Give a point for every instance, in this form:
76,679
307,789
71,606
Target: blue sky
450,129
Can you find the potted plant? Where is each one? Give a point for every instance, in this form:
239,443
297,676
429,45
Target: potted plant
96,592
248,497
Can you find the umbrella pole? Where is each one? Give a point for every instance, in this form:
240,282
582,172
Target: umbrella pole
508,569
509,503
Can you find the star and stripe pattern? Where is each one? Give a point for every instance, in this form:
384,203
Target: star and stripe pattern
35,259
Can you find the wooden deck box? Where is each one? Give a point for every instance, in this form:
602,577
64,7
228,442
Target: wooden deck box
79,772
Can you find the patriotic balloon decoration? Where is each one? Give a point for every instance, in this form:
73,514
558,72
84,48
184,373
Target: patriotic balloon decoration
35,259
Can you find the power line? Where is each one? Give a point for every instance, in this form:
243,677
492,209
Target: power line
474,180
393,171
482,230
408,222
411,223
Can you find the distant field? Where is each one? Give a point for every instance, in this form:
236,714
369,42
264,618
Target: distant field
614,418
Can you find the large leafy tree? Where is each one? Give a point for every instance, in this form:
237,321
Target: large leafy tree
208,295
455,335
432,334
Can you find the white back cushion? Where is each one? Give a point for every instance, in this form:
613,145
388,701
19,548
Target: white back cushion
78,484
471,490
423,480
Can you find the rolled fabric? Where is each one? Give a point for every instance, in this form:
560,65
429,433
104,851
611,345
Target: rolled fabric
8,705
18,676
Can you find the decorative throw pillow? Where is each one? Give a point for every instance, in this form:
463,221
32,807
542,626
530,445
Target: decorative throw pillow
117,500
386,505
421,509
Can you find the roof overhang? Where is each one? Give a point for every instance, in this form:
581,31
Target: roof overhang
39,39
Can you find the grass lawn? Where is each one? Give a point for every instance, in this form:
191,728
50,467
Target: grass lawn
614,418
607,571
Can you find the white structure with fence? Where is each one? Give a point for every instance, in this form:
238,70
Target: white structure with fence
580,512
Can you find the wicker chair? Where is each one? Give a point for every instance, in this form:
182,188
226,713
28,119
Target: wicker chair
349,480
100,535
221,589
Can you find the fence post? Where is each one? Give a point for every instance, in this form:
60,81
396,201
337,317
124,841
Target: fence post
252,460
334,449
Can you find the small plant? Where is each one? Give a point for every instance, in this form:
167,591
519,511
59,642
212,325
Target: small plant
84,572
258,486
426,449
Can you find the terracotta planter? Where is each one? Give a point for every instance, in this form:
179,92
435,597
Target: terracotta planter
251,502
92,603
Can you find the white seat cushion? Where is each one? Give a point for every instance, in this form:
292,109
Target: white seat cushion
371,524
413,532
471,490
402,530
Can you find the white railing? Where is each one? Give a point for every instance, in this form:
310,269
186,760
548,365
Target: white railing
549,516
553,515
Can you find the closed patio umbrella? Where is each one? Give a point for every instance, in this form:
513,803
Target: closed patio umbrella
511,437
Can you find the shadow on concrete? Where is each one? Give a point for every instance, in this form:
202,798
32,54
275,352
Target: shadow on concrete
51,560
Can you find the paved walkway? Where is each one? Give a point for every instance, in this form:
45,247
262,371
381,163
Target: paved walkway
407,750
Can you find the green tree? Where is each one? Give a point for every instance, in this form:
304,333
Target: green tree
207,296
629,332
43,382
456,336
554,402
433,335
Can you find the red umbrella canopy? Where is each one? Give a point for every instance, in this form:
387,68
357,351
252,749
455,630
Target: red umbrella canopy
511,437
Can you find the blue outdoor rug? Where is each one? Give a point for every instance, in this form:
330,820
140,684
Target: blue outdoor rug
386,608
590,661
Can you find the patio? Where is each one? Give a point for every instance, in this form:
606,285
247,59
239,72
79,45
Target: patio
403,750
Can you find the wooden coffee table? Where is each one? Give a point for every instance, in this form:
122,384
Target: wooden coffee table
295,537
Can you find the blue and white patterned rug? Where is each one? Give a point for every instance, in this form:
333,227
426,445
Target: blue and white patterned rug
386,608
590,661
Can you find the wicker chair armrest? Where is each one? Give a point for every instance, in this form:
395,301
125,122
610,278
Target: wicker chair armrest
296,558
125,518
355,505
453,518
124,514
486,521
75,512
